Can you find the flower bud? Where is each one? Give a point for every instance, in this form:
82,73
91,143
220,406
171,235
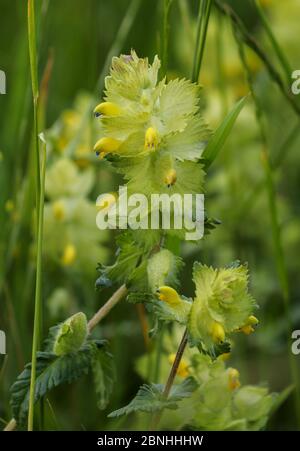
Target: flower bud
151,138
217,332
247,330
183,368
225,356
107,109
59,210
233,379
252,320
168,295
107,145
170,178
69,255
71,334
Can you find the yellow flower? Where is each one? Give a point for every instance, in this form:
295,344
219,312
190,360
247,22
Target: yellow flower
106,145
9,206
171,177
225,356
233,379
151,138
69,255
183,368
107,109
59,210
168,295
217,332
248,328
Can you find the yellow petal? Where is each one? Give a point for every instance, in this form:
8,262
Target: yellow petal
233,379
59,210
217,332
182,370
107,145
151,138
168,295
107,109
69,255
171,177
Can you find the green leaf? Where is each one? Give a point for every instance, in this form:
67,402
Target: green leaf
218,139
150,398
128,257
52,371
104,376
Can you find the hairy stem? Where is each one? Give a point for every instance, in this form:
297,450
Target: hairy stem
156,418
106,308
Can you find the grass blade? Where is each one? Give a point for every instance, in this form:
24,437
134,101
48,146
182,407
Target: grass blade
216,143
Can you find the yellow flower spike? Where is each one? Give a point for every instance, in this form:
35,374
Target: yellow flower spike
183,368
59,210
168,295
217,332
106,145
170,178
107,109
233,379
69,255
151,138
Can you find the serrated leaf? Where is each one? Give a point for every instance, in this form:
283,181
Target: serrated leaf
104,376
128,256
150,398
52,371
218,139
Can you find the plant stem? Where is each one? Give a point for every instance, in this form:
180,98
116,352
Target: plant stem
278,50
106,308
144,324
38,292
171,378
251,42
165,35
39,188
276,234
159,348
203,18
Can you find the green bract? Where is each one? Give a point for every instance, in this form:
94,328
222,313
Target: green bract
222,302
71,334
163,268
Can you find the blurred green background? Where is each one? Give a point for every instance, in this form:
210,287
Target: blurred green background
75,41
